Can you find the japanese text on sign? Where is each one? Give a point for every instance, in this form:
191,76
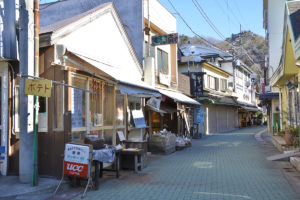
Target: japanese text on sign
76,161
38,87
165,39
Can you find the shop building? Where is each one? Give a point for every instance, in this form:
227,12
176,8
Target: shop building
210,85
159,62
93,94
244,89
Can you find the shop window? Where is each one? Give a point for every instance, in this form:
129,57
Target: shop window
58,107
162,62
108,104
78,102
95,103
78,136
43,115
119,109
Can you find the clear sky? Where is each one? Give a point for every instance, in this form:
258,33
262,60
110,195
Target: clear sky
226,15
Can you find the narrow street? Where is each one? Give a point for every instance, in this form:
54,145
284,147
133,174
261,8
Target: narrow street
223,166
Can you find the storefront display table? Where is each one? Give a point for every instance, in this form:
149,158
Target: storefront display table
137,157
99,160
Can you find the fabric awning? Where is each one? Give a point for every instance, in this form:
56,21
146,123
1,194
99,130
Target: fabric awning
179,97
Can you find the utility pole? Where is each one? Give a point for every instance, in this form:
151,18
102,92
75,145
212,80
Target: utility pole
26,34
36,99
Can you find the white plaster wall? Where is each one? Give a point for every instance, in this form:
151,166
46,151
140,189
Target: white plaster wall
160,16
102,40
242,90
275,29
227,66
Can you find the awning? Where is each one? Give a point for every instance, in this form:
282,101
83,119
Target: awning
218,100
250,109
179,97
163,109
135,91
128,82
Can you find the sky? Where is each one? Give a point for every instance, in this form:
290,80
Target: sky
226,15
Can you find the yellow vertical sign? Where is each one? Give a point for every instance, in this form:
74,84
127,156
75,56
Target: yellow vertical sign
38,87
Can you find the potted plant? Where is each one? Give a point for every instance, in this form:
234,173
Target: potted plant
289,134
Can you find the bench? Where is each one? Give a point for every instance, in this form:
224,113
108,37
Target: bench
2,151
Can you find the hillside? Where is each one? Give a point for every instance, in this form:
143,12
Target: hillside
245,44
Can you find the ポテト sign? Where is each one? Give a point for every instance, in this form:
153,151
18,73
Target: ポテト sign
77,160
38,87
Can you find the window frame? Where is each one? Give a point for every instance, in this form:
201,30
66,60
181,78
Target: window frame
167,66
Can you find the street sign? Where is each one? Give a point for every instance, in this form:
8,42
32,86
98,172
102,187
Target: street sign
38,87
77,160
165,39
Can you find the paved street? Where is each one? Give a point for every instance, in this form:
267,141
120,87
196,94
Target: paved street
223,166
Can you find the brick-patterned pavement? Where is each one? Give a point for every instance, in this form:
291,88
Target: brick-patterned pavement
221,166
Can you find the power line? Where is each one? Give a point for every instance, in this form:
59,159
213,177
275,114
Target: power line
184,21
207,19
240,13
233,14
207,42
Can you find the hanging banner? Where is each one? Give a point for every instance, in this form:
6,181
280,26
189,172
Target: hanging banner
38,87
77,160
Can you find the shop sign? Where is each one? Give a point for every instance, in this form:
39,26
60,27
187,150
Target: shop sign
77,160
164,79
165,39
38,87
154,102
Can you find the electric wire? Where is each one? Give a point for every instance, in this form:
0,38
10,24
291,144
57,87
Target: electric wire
207,19
207,42
240,13
185,22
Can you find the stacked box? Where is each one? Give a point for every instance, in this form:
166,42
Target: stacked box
162,144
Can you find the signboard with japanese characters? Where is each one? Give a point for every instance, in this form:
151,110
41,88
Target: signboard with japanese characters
165,39
77,160
38,87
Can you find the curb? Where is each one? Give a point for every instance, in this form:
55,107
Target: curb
258,136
